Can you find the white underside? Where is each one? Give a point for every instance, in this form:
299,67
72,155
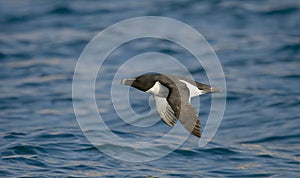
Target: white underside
194,91
159,90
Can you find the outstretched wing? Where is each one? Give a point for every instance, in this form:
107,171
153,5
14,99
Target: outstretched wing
165,111
189,119
178,99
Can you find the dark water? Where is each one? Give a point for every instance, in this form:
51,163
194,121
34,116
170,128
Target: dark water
258,43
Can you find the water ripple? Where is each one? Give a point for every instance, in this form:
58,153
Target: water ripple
257,43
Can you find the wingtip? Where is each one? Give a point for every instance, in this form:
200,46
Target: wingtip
196,131
197,134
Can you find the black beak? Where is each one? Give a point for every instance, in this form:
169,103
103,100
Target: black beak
127,81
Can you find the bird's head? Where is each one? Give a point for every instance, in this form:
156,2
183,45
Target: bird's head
143,82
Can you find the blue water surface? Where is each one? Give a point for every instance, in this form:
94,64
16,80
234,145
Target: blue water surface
257,42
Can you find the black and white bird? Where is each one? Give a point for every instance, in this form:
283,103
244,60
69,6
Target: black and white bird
172,95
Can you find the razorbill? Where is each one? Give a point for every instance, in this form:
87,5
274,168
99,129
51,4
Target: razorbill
172,95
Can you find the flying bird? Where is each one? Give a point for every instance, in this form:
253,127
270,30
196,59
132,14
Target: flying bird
172,95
